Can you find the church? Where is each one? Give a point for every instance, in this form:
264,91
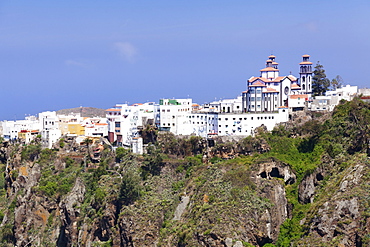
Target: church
270,91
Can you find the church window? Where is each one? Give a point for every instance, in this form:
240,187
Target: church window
303,86
303,79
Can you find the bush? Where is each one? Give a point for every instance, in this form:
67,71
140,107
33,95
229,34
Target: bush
120,153
130,189
31,152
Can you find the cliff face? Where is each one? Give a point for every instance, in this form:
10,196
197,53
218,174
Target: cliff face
297,186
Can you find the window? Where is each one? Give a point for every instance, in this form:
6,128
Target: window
252,98
258,98
258,91
226,119
233,118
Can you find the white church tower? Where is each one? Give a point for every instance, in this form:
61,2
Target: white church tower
305,74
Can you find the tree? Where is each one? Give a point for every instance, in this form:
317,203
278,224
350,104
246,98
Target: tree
120,153
149,134
320,83
337,82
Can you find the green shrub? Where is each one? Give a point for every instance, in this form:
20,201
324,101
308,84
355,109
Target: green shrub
31,152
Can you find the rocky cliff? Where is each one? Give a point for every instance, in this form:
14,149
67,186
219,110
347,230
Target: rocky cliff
304,184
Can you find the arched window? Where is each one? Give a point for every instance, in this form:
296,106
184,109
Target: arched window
304,87
303,79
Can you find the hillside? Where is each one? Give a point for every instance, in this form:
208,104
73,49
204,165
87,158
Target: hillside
85,111
306,183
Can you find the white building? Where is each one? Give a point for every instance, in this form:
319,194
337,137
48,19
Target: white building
97,129
50,132
270,91
174,115
125,121
11,129
238,124
332,98
226,105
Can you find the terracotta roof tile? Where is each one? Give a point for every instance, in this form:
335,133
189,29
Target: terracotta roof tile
296,96
253,79
295,86
258,84
305,63
112,109
270,90
269,69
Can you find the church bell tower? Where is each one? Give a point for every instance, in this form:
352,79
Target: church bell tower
305,75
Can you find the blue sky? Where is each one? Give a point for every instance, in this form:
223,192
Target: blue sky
64,54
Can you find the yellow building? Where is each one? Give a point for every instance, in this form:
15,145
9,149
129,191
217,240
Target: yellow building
27,135
76,129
